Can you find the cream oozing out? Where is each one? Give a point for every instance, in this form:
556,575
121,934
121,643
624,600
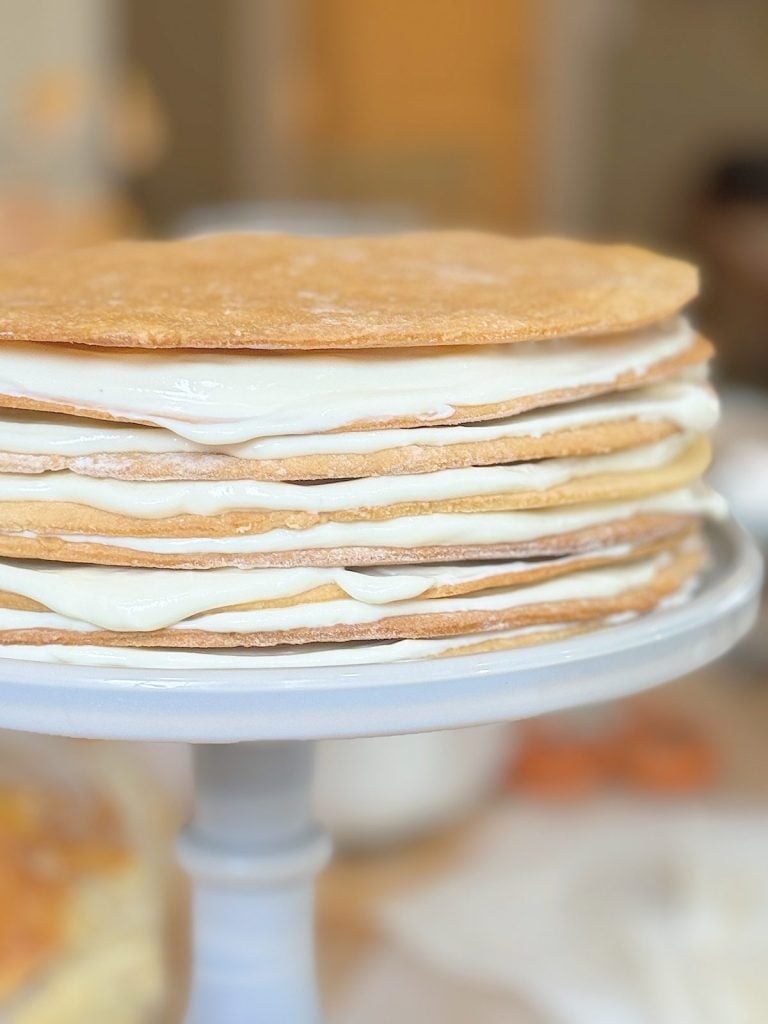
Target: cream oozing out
602,583
409,532
307,655
689,405
161,499
147,599
219,398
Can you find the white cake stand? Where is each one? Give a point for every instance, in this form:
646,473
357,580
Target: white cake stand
251,848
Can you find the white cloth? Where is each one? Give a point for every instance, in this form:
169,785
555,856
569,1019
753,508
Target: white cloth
615,913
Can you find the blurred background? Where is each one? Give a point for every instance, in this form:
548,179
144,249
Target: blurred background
607,865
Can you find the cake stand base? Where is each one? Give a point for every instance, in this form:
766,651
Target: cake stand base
251,848
252,852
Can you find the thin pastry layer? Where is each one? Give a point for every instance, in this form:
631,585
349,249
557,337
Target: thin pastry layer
589,594
148,599
417,539
302,656
58,502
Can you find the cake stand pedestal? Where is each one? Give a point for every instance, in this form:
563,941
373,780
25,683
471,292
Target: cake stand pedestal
251,848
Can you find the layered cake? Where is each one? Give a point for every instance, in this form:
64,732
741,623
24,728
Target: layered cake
266,450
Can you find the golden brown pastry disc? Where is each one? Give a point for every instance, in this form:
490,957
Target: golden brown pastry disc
283,292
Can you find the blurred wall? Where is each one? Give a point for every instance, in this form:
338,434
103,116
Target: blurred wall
427,102
56,70
591,117
685,85
388,100
75,124
183,46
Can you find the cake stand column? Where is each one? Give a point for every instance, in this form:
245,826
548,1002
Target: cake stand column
252,853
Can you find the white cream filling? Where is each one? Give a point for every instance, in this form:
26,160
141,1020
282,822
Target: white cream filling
160,499
148,599
603,583
688,405
410,532
217,398
307,655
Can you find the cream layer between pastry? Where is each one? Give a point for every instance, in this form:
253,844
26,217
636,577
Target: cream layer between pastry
147,599
217,398
605,582
285,656
688,404
163,499
426,531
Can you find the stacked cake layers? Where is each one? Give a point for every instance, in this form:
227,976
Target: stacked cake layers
284,451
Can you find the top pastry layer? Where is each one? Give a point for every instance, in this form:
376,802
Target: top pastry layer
283,292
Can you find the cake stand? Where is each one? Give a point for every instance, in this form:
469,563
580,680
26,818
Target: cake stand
251,848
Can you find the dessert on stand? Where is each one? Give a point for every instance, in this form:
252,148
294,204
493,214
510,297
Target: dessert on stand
258,490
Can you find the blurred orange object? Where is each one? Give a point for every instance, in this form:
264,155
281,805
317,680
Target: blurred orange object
29,220
555,763
82,872
44,849
641,748
663,753
55,102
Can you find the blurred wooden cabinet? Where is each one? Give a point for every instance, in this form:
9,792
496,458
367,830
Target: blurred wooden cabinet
427,102
430,103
